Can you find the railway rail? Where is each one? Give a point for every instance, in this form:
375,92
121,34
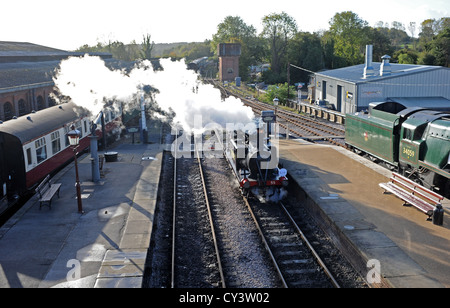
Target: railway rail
193,229
304,127
231,244
296,261
224,262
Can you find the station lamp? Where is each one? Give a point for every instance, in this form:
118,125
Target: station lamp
275,103
74,140
74,136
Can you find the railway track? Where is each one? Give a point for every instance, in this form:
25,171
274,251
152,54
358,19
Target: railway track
297,262
304,127
224,242
195,256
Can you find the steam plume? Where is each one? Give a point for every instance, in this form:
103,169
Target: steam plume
90,83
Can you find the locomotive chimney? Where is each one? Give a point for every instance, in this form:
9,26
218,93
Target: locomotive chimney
368,68
385,68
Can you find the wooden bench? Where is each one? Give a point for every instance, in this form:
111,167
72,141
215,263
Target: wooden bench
413,194
47,191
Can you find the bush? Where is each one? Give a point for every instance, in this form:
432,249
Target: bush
280,91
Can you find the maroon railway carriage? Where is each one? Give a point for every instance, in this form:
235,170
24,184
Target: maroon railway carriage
36,144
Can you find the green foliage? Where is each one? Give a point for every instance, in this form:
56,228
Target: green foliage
234,30
281,92
278,30
350,34
280,43
147,47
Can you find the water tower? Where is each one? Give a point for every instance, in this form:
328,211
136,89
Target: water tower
229,61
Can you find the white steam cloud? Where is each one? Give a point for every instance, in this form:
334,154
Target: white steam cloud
90,83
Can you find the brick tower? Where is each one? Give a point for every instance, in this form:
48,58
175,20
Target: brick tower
229,61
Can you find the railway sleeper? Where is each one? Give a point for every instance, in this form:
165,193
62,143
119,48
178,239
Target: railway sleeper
283,238
296,261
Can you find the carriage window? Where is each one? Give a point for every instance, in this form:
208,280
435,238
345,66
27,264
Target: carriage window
56,143
78,128
41,150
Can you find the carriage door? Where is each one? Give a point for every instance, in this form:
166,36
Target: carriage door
3,175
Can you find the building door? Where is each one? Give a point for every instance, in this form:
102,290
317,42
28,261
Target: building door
339,98
324,89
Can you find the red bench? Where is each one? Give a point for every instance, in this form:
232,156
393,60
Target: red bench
412,193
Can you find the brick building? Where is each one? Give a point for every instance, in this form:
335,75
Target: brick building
229,61
26,77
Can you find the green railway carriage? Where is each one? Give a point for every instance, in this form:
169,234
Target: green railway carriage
414,140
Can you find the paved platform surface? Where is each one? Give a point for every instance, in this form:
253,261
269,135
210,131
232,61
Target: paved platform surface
342,188
104,247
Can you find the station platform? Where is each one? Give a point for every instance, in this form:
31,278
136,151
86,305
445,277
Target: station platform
341,190
106,246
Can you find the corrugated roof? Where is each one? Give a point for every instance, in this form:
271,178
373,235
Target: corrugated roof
30,73
26,73
354,74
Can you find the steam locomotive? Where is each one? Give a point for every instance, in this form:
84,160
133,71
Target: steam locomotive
415,141
35,145
254,160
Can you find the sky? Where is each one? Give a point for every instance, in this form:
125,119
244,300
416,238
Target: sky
68,25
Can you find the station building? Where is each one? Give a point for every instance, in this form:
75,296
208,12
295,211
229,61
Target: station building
26,77
352,89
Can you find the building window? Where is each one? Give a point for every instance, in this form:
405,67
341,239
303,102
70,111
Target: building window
40,103
56,142
22,108
8,111
51,101
41,150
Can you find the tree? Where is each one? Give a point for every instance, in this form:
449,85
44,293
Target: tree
230,30
281,92
382,44
305,50
278,29
440,48
147,47
349,33
234,30
406,56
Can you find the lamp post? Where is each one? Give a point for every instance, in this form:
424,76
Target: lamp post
275,103
74,140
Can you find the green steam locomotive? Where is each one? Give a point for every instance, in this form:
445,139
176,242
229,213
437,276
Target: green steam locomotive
415,141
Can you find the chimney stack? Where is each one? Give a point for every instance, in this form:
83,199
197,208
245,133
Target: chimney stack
368,69
385,68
